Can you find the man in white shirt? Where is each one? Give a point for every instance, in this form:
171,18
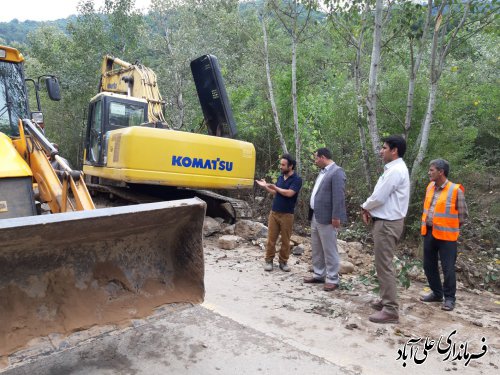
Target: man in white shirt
387,208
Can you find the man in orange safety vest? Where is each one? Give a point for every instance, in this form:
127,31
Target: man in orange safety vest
444,213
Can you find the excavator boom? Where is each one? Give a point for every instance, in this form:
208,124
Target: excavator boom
133,80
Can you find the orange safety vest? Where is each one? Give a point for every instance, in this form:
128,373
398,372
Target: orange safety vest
445,223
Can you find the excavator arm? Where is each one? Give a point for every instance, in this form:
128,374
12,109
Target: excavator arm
37,150
134,80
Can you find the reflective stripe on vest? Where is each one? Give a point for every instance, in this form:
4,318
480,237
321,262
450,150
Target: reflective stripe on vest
445,222
448,204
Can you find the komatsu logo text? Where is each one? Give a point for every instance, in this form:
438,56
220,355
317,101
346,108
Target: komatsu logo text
215,164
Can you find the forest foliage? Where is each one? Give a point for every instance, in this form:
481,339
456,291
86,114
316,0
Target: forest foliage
320,57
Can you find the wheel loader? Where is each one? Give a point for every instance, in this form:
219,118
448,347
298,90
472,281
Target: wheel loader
65,265
130,150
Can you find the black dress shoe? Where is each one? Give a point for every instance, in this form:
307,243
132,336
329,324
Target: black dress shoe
431,297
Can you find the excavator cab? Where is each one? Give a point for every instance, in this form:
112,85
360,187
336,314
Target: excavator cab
13,95
108,112
14,103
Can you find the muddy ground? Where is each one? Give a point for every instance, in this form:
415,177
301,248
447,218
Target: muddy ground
263,322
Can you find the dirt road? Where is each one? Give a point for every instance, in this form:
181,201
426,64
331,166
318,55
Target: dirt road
334,326
254,321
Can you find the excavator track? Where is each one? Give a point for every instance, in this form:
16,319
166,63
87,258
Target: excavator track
238,208
218,205
123,193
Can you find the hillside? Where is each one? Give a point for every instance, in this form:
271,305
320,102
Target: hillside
16,31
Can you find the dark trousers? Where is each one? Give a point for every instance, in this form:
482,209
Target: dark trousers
446,252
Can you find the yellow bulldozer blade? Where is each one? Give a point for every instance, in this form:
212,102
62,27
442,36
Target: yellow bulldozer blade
66,272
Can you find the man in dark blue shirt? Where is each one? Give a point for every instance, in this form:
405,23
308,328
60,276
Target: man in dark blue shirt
285,191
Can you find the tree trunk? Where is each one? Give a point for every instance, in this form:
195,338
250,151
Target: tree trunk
364,149
426,127
361,117
271,92
371,99
410,97
290,15
414,67
294,103
356,41
178,98
439,50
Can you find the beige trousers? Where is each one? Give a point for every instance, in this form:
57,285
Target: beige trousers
385,236
279,224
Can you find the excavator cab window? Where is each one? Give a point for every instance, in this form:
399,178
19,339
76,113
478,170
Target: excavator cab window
125,114
95,136
13,98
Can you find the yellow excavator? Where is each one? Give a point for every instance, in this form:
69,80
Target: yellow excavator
130,151
69,266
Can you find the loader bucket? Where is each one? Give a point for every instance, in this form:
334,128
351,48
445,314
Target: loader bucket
66,272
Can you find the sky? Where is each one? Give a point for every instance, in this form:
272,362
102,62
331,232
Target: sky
46,10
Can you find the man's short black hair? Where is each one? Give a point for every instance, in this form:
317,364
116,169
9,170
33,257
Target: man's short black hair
291,161
396,141
323,151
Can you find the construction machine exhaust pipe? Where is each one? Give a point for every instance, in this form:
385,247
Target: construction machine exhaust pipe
66,272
